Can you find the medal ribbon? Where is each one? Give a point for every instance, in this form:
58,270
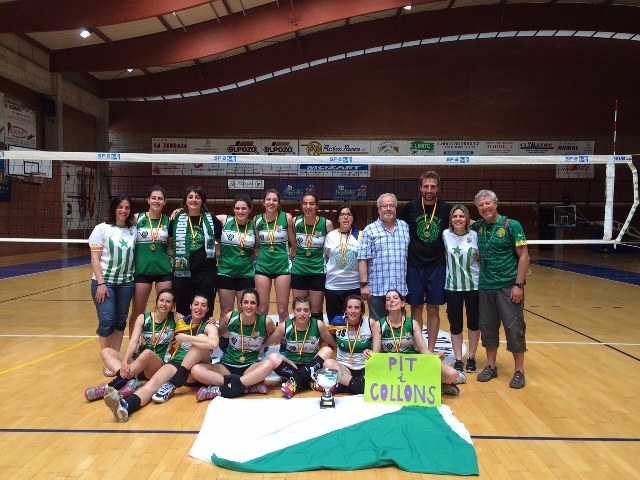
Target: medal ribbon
424,213
241,238
271,234
193,234
343,247
155,234
243,347
154,340
396,346
301,346
355,340
309,238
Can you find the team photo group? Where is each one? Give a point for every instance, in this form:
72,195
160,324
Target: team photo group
403,266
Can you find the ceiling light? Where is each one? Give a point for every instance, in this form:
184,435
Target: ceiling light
408,7
85,33
129,70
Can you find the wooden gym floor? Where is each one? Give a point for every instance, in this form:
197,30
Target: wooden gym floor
575,419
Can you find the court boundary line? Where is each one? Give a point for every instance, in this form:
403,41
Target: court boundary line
196,432
43,291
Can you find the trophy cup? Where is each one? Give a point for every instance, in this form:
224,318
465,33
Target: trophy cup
326,378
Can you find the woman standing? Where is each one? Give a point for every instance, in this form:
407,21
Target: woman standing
356,341
152,261
112,245
194,232
240,370
402,334
461,287
341,252
235,265
275,233
146,352
307,273
303,335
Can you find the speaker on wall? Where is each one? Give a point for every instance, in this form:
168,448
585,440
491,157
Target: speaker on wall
49,107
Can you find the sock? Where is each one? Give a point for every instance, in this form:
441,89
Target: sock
180,377
356,384
118,382
133,402
232,387
142,377
286,371
306,371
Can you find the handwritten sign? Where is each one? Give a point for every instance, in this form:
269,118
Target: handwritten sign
403,379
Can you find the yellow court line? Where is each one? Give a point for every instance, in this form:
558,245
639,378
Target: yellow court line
48,356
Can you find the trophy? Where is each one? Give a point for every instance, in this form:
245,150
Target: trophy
326,378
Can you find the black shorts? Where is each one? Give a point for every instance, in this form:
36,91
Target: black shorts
271,276
142,278
226,282
235,370
308,282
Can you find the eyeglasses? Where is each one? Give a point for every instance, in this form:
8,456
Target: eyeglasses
346,215
390,205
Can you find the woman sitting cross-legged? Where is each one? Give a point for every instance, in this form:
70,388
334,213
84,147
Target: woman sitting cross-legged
151,337
240,370
303,335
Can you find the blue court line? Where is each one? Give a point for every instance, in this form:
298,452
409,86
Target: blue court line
632,278
195,432
11,271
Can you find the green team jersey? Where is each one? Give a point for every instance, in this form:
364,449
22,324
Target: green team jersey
401,338
274,245
301,346
309,259
498,257
184,326
151,256
251,336
235,260
158,337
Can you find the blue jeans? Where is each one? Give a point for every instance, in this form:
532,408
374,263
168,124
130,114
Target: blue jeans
114,311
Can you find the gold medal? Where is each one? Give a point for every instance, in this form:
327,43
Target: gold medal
427,234
193,244
351,360
343,261
152,247
271,249
308,254
242,359
241,253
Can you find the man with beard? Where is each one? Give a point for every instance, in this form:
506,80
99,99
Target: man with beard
382,256
427,217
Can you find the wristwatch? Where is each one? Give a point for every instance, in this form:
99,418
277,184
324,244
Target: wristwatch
519,285
363,284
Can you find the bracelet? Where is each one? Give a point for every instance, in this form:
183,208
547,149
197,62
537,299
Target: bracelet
100,284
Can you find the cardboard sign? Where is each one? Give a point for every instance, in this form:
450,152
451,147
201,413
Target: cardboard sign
403,379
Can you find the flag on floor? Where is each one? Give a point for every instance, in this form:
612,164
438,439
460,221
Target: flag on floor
279,435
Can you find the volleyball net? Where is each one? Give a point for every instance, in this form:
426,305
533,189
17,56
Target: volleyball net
58,197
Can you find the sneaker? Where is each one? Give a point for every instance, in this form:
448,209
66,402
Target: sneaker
95,393
462,378
450,389
207,393
458,365
258,388
487,374
117,405
471,365
289,388
518,380
164,393
130,387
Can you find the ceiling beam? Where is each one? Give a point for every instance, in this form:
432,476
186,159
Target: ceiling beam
363,35
210,38
72,14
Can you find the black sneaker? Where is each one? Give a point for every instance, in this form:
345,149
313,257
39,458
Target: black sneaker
518,380
458,365
471,364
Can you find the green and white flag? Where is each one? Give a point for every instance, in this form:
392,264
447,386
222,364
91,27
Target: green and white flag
279,435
